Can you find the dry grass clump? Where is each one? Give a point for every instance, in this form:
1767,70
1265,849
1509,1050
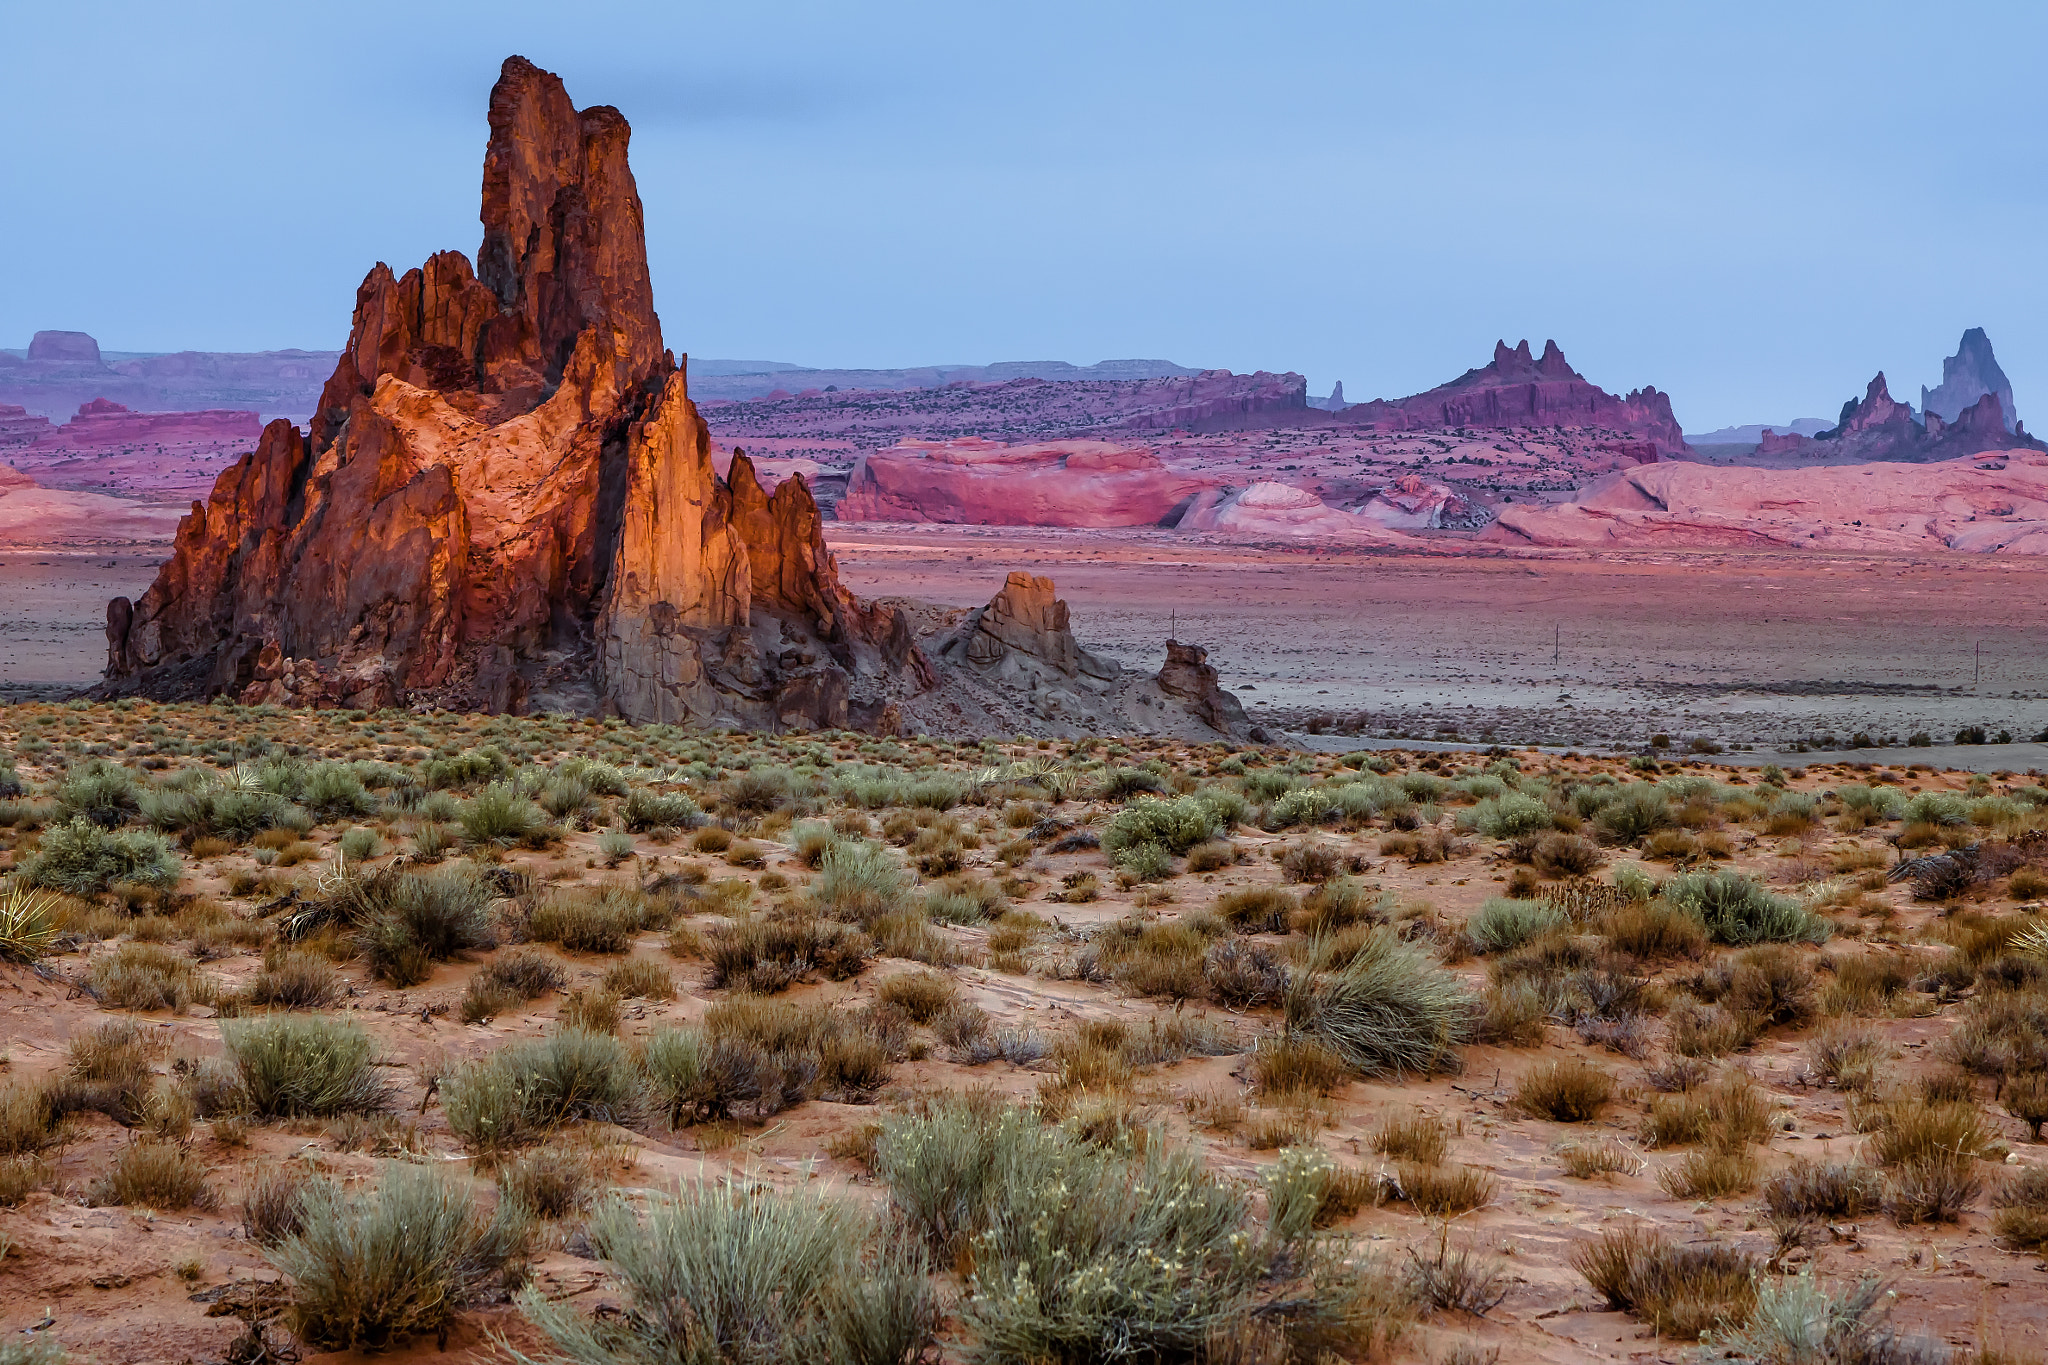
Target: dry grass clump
1163,959
1585,1160
1652,929
588,921
763,955
1460,1281
147,976
592,1011
372,1268
922,996
1810,1190
1680,1290
640,978
155,1175
526,1089
1847,1056
509,980
1730,1113
1413,1136
1711,1173
294,981
1295,1065
1566,1091
1256,910
1243,975
553,1181
271,1208
2022,1204
1442,1191
1929,1149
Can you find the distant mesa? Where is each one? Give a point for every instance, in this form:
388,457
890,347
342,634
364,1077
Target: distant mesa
505,499
977,482
744,380
1754,432
1877,427
1966,377
103,424
64,348
1520,390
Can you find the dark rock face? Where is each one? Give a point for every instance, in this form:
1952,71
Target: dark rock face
1967,376
1520,390
506,485
1027,619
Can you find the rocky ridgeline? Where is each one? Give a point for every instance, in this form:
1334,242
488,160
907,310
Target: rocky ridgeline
103,425
65,369
1518,390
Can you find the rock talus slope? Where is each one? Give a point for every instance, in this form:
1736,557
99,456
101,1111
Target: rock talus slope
506,491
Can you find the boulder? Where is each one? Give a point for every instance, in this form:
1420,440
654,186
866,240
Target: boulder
1280,511
505,476
979,482
1415,503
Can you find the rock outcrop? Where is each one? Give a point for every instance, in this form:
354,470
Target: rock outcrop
1988,503
1414,503
506,492
1518,390
1279,511
103,424
20,427
1188,676
987,483
1878,427
1014,666
1967,376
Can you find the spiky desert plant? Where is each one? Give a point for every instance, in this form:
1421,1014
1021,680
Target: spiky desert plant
27,923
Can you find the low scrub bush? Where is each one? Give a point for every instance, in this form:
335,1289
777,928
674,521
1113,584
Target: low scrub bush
1509,816
1681,1290
82,859
1243,975
2021,1220
858,882
640,978
295,981
295,1067
404,922
588,921
762,955
1256,910
1501,925
372,1268
154,1175
1736,910
146,976
1567,1091
1391,1009
500,814
714,1274
1810,1190
1799,1318
1654,929
1175,825
525,1089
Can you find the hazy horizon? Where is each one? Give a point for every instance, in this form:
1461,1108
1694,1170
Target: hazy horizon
1754,209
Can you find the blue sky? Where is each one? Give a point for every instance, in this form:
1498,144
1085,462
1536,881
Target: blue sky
1752,206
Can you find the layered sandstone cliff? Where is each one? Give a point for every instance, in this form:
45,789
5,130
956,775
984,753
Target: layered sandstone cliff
1879,427
987,483
505,489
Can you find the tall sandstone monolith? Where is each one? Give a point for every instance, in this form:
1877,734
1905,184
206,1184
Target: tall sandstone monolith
506,495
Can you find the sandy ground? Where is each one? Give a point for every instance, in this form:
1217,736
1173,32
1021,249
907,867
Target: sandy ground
1766,650
53,614
1762,649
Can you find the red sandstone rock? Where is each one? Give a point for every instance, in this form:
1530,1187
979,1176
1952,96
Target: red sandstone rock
1188,676
1879,427
1268,511
1993,503
19,427
1412,502
506,472
103,424
986,483
1518,391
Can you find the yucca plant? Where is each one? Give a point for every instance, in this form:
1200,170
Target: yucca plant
27,923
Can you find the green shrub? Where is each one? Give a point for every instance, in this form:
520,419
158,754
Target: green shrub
370,1269
360,844
1145,863
614,846
1392,1008
237,814
1936,808
1632,811
1736,910
1502,925
1305,806
858,882
500,814
334,791
1176,825
294,1067
1509,816
405,921
99,792
720,1275
647,809
81,859
526,1088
